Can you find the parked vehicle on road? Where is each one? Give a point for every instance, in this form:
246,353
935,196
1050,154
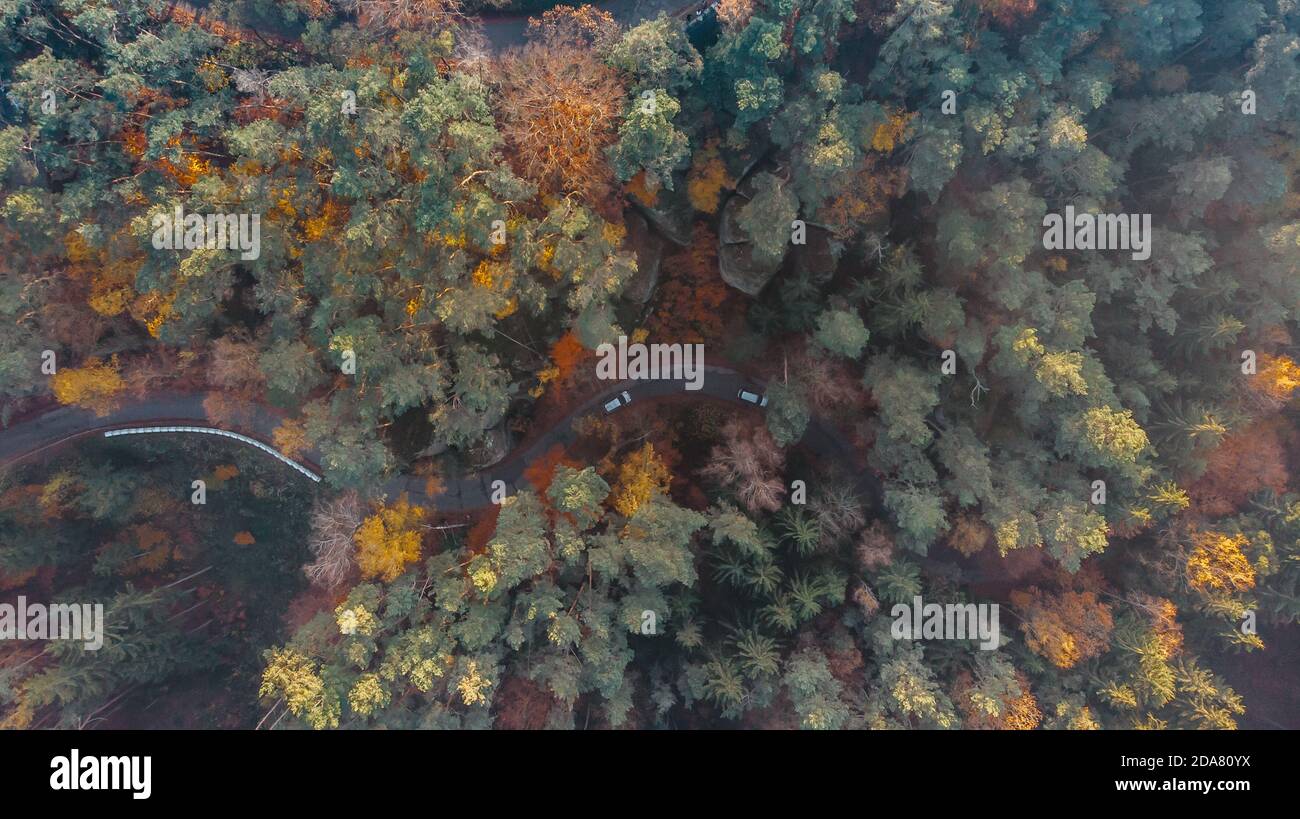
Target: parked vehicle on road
752,397
620,400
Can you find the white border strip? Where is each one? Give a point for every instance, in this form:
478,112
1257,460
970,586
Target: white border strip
222,433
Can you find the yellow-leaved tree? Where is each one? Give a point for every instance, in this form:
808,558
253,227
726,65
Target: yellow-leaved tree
296,678
706,178
94,386
638,478
290,437
1278,377
892,131
389,540
1218,563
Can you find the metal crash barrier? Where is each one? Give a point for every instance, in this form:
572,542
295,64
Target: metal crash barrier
112,433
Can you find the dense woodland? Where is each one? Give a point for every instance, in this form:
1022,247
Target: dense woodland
483,217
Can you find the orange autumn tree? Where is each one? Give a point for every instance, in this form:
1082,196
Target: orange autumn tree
640,475
1022,713
152,546
1278,377
735,14
568,355
580,26
290,437
94,386
970,535
192,165
389,540
1067,627
849,210
221,474
640,189
692,297
707,178
568,359
561,105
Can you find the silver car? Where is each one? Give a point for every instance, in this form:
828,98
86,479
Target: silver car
620,400
752,398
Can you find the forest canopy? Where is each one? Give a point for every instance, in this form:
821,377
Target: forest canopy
843,201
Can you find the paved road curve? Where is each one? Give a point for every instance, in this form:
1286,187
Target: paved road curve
43,434
58,427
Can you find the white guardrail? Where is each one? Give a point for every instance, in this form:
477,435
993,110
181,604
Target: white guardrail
112,433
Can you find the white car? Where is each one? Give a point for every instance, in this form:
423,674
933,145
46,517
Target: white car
752,398
620,400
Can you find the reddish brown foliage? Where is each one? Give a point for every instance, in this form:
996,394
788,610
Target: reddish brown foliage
1067,626
749,463
481,532
1009,12
1246,462
570,358
234,366
692,298
253,110
833,388
970,534
541,472
843,657
521,705
875,548
227,410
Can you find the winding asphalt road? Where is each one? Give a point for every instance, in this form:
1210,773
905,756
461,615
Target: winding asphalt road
44,433
475,490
